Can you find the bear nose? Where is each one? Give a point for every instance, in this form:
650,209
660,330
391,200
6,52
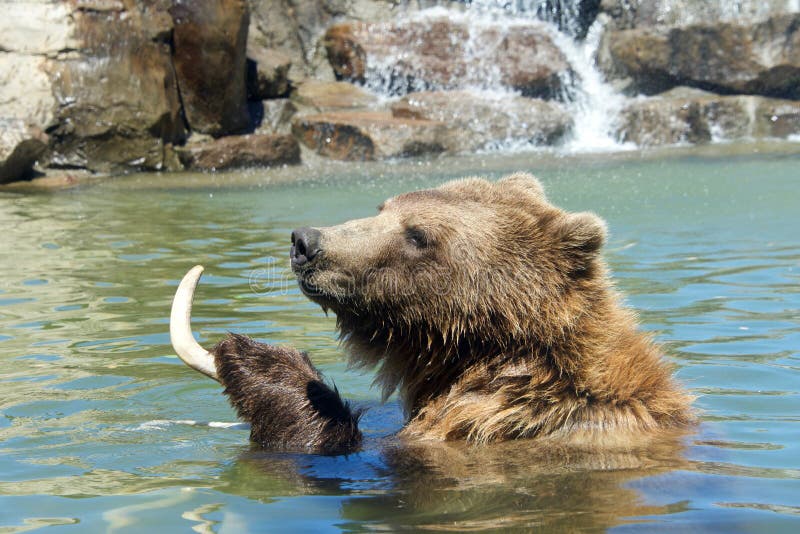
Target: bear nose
305,245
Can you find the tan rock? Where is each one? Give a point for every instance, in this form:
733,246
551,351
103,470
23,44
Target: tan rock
752,58
778,118
32,35
36,28
445,53
331,96
476,120
626,14
368,135
673,119
255,150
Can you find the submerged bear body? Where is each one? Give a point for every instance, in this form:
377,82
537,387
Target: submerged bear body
489,311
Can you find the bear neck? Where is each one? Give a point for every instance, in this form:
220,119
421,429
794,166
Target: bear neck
596,353
417,361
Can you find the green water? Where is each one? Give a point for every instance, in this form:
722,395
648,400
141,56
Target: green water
96,413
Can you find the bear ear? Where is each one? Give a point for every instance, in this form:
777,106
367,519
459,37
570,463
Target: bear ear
583,233
523,181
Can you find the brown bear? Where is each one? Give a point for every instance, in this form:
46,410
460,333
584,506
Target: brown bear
486,307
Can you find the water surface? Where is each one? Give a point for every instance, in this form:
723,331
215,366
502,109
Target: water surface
103,429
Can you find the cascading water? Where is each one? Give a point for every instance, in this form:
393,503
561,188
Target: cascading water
591,102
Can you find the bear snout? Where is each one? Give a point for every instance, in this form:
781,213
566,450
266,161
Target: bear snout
305,246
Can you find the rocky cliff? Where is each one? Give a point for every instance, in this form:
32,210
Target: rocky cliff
127,85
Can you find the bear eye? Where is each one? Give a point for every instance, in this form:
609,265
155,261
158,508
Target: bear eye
416,237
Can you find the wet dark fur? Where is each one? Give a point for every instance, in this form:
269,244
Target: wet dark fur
285,399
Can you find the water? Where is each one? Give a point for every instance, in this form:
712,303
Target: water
103,429
589,99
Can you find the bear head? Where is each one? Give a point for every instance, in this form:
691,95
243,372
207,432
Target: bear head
441,277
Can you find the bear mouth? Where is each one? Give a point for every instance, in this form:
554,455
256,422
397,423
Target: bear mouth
310,289
307,287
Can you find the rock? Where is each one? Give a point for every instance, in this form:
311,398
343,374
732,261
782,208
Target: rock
275,116
627,14
761,58
32,36
448,53
368,135
118,105
330,96
36,28
573,18
267,74
295,27
778,118
478,120
20,146
681,117
254,150
25,88
210,40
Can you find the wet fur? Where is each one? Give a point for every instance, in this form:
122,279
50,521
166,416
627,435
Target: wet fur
285,399
503,325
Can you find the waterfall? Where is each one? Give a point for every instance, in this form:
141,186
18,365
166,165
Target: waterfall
592,103
569,16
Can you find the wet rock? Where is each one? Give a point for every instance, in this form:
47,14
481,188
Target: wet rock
369,135
330,96
235,151
21,145
680,116
761,58
295,27
118,106
778,118
267,74
210,39
477,120
275,116
627,14
448,53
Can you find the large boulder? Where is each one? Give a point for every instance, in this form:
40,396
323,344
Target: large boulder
237,151
32,35
118,105
368,135
428,53
761,58
627,14
210,41
477,120
294,27
21,145
684,116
